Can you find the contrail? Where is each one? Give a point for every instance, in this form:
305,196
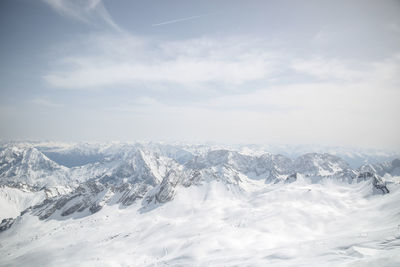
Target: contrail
176,20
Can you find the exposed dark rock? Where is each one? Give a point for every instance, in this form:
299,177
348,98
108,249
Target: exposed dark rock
63,200
138,173
131,193
6,223
167,187
71,209
95,208
291,178
46,213
378,185
193,178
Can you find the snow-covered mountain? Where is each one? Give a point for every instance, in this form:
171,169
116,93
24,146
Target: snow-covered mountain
391,168
355,157
14,199
26,164
160,179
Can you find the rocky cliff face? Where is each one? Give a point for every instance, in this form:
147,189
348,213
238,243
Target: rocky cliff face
89,198
378,184
389,167
151,174
29,166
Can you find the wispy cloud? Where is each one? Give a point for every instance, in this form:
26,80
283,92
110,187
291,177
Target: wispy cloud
40,101
229,63
328,68
177,20
87,11
265,93
360,110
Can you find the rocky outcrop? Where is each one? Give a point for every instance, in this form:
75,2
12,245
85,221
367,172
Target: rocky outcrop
291,178
378,185
89,198
27,165
6,223
389,167
137,172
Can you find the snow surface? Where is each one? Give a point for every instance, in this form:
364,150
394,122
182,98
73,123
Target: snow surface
195,205
14,200
298,224
181,151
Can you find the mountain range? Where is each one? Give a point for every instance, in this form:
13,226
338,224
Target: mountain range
61,182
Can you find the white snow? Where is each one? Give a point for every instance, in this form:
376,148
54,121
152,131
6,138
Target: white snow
14,200
298,224
233,215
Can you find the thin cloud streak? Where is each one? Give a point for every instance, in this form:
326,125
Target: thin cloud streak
89,11
231,87
177,20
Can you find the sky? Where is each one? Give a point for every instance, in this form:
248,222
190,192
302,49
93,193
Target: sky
266,72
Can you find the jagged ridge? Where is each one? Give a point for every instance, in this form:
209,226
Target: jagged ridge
153,173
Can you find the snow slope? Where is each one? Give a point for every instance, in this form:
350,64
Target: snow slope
179,205
297,224
15,200
26,164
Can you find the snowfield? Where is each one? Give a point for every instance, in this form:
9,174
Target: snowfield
13,201
171,206
297,224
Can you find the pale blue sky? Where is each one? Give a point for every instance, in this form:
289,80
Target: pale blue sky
227,71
